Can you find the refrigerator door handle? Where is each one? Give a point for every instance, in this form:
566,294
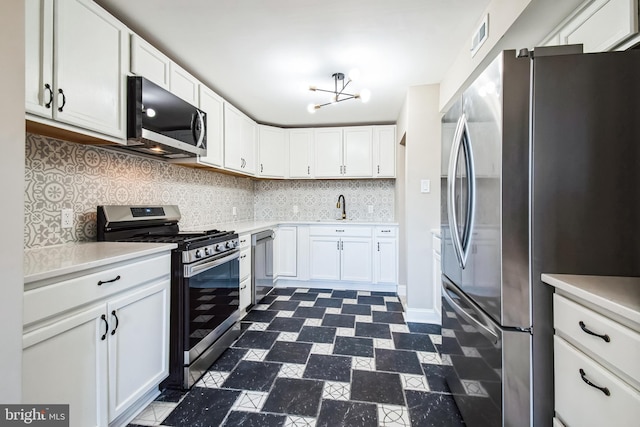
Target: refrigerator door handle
478,319
451,184
465,244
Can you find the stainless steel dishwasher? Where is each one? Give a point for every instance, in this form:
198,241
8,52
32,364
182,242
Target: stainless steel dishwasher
262,258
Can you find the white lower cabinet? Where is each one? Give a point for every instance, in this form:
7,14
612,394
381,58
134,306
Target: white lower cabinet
245,271
341,254
100,355
385,255
285,251
596,370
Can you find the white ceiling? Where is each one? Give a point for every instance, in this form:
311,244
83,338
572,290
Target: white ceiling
262,55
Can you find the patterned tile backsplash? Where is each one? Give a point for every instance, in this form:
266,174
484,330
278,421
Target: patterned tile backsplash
60,174
316,199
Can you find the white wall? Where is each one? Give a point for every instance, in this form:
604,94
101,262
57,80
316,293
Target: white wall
12,136
513,24
420,119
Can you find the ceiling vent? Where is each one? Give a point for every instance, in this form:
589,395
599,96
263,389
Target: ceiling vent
480,36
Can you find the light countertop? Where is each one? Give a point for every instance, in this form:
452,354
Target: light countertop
257,226
620,295
53,261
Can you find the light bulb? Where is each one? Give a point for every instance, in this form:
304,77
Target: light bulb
365,95
150,112
311,108
354,74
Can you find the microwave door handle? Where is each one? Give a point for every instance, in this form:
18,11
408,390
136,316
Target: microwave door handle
451,184
197,268
465,243
478,320
200,118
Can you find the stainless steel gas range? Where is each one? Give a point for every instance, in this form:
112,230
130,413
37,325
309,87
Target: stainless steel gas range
205,284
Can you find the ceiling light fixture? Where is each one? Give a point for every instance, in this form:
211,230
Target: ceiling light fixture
338,92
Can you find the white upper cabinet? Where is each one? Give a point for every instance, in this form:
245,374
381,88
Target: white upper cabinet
599,25
358,152
149,62
328,152
183,84
384,151
213,105
239,141
300,153
84,84
344,152
271,148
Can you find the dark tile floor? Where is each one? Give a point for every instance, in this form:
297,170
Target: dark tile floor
320,357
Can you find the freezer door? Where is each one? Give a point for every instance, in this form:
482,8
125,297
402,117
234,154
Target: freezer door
486,367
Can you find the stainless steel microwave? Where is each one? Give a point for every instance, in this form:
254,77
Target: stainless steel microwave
162,124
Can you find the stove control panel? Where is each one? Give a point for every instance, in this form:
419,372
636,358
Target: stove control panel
209,250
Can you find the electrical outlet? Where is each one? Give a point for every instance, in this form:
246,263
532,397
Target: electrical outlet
234,211
370,208
66,218
295,209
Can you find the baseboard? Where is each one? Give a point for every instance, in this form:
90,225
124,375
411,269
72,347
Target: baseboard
320,284
423,315
402,290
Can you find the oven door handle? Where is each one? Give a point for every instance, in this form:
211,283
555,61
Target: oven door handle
197,268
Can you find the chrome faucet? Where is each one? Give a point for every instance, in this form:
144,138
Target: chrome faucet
344,206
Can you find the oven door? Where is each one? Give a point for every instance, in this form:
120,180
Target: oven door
212,289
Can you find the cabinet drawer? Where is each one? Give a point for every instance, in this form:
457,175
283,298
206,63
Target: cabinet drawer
339,231
621,353
46,301
580,404
245,264
244,241
385,231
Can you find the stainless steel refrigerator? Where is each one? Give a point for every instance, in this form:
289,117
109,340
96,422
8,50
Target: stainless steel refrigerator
541,173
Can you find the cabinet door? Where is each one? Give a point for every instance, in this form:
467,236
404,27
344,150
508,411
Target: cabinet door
248,134
149,62
39,57
245,263
328,152
89,49
300,153
437,280
272,154
386,261
356,259
287,249
66,362
245,293
232,138
324,258
358,152
183,84
213,105
384,149
138,344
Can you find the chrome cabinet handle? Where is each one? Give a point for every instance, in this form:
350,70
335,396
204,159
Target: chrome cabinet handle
261,168
102,282
378,168
605,337
605,390
308,170
106,330
339,231
378,246
64,100
113,313
48,88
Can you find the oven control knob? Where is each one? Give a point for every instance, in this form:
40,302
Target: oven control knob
198,254
227,245
207,251
218,248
